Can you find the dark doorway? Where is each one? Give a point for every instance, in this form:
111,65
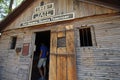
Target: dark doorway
43,37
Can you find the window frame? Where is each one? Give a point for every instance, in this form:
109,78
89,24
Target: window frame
93,37
13,43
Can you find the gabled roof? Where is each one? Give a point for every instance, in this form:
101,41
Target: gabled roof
113,4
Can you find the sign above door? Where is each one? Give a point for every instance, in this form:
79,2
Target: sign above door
46,14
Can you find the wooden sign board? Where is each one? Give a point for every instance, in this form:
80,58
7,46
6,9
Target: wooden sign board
44,11
44,7
46,14
43,14
56,18
25,51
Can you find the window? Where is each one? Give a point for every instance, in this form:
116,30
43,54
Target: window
85,37
61,42
13,42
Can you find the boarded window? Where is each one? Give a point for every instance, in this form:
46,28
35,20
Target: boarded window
13,42
61,42
25,51
85,37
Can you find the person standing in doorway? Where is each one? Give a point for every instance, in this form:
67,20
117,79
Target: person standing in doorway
42,60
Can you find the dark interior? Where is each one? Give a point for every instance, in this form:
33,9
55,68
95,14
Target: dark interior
85,37
43,37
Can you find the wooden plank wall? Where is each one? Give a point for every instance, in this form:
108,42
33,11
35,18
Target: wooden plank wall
80,9
61,7
83,9
100,62
3,57
14,66
92,63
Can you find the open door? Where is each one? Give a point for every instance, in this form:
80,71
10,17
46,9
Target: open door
43,37
62,54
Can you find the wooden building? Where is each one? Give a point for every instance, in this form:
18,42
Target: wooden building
83,37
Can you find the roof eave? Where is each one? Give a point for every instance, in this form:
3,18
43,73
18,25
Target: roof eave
104,4
14,14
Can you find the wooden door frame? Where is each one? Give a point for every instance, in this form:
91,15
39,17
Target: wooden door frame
32,55
33,47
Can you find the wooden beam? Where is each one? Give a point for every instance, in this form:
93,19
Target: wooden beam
103,3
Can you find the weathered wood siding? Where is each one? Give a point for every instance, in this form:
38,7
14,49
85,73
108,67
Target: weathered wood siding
80,9
83,9
14,66
61,7
100,62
